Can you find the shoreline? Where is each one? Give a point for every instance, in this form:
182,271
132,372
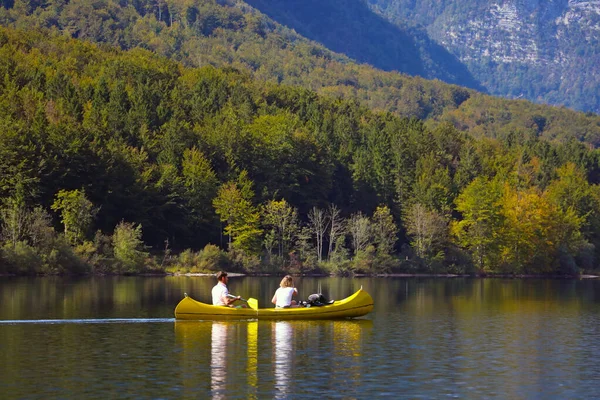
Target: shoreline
405,275
317,275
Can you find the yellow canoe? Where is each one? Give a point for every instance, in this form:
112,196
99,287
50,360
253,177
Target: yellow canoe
356,305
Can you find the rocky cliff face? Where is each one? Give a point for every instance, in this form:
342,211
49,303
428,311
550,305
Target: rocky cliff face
543,50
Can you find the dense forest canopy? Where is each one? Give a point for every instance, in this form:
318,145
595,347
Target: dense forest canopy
131,155
233,34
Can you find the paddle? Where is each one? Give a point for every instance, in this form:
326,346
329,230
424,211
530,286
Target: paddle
252,303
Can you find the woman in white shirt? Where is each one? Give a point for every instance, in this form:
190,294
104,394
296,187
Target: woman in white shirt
283,295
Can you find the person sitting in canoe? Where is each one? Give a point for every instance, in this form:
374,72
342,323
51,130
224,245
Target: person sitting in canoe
220,293
283,295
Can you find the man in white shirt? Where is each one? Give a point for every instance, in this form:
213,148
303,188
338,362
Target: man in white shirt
220,293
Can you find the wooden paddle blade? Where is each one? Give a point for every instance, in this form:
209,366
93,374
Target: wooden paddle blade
253,303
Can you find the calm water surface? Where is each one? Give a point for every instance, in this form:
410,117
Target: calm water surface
115,337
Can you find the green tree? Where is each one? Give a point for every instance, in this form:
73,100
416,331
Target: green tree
359,227
117,108
129,247
77,214
15,218
572,190
468,168
384,230
428,230
282,219
200,187
234,206
433,187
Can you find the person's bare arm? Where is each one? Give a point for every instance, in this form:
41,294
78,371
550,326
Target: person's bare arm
229,300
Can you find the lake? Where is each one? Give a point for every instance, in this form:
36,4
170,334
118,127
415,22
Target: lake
115,337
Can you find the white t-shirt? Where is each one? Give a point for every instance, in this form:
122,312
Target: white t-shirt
218,293
284,296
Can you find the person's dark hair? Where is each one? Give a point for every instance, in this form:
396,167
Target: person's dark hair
221,275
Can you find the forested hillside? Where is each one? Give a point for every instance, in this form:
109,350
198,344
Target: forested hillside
105,152
354,30
231,33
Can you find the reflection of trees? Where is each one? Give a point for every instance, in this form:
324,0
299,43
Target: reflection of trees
194,339
472,330
284,357
98,297
348,341
128,296
487,331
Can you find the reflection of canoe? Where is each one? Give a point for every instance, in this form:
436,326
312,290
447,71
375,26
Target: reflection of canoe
357,305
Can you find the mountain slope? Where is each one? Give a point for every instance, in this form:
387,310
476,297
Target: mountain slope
545,51
233,34
354,30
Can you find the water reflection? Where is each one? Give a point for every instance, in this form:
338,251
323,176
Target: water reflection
283,356
218,359
194,340
426,338
252,359
219,356
349,338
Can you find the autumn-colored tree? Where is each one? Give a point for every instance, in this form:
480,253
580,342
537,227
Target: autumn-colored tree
478,229
535,231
